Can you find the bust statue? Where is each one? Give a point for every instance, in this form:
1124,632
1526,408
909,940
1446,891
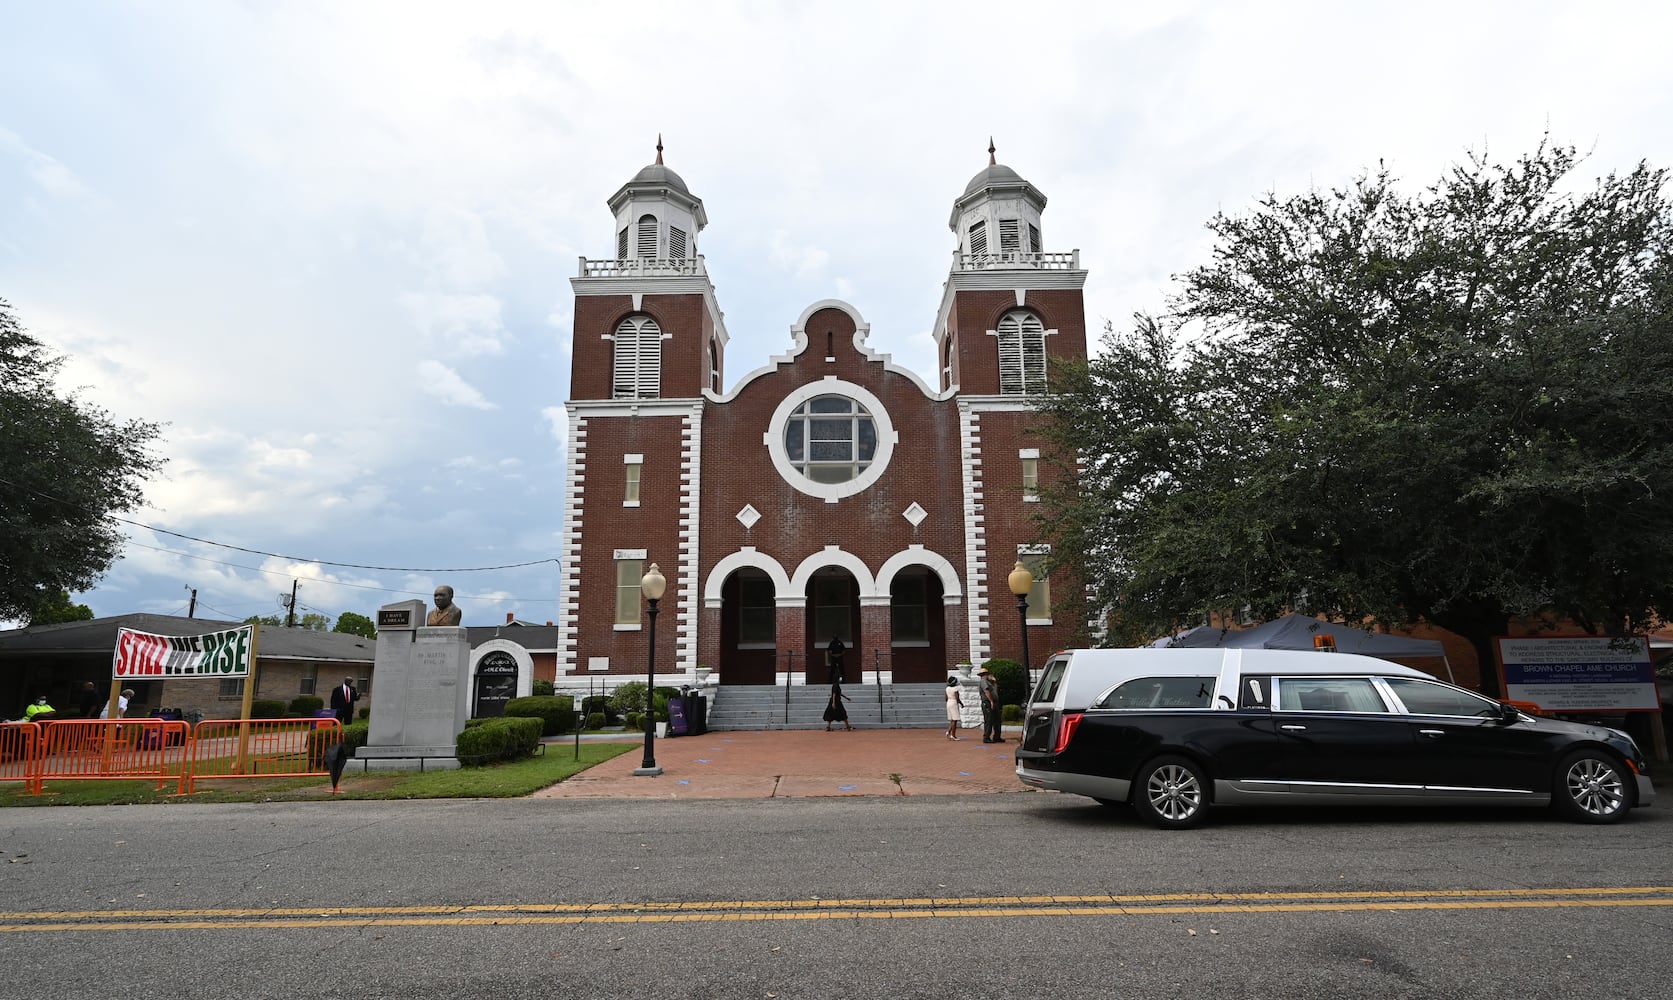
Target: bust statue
446,613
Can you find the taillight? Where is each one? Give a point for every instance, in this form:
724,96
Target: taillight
1066,730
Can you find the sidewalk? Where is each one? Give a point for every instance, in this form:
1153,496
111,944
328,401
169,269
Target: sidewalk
803,763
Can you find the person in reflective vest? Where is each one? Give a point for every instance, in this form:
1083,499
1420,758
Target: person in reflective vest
40,711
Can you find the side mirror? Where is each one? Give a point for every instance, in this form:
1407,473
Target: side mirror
1508,712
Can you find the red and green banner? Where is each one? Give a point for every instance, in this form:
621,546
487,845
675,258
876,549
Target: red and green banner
141,655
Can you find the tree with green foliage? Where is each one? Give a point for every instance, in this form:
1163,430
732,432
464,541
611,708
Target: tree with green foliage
313,621
55,609
1451,407
271,621
68,467
354,624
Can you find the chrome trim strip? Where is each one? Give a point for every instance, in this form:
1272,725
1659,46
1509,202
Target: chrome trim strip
1093,786
1472,790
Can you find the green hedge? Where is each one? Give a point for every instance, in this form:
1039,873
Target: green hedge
542,688
595,720
306,704
1010,678
267,708
498,739
599,703
354,737
628,697
557,712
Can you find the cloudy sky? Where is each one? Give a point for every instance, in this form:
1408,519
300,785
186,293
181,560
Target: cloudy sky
328,244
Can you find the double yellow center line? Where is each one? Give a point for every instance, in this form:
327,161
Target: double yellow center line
513,914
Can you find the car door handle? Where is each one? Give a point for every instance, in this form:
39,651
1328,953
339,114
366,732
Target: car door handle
1293,729
1433,732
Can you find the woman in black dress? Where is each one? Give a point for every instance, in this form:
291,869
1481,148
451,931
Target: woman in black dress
834,709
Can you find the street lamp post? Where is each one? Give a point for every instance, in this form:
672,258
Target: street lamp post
1021,582
652,584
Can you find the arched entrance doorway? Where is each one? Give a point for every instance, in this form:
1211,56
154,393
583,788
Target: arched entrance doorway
833,612
918,627
748,627
496,684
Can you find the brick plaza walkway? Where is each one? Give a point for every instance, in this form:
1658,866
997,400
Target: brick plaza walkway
802,763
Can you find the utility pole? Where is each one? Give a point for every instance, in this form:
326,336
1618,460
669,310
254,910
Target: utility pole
192,609
290,616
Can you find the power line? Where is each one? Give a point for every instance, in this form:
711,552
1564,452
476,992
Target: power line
334,583
278,555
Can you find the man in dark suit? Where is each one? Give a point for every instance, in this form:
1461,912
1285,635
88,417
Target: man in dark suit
343,697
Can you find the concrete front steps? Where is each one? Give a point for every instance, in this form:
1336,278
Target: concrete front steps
894,706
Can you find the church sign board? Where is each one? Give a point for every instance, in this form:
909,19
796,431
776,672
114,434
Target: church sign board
1580,673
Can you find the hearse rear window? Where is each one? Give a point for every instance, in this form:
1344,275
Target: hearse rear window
1160,692
1050,678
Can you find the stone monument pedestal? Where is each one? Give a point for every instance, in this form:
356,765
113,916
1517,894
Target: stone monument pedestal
421,697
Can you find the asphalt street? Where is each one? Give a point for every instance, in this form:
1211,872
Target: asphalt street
1018,895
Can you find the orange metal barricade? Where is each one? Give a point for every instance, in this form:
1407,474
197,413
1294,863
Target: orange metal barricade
261,748
105,749
19,743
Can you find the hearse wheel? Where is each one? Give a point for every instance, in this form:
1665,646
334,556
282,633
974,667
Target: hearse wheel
1592,787
1171,792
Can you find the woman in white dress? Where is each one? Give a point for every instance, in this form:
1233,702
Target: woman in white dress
955,707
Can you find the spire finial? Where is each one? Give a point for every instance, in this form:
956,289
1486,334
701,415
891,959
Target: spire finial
659,147
991,160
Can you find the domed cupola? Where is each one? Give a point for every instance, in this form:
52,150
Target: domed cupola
657,217
997,219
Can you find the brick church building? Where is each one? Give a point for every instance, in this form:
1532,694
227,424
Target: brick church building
828,493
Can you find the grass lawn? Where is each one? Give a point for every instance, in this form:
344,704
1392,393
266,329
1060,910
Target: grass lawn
498,781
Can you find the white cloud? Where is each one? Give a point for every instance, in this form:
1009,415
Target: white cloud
464,324
49,174
445,384
557,423
800,259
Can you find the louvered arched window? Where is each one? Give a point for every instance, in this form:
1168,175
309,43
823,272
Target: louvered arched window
1022,353
978,238
638,368
647,236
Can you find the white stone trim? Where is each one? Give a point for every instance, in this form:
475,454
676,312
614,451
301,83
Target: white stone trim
619,554
691,488
799,343
746,557
834,555
569,589
525,665
669,407
1003,280
975,535
640,459
1028,453
917,555
830,385
625,284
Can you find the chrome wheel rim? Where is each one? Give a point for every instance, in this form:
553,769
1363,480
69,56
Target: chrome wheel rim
1174,792
1596,787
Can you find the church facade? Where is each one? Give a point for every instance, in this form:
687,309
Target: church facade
828,493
